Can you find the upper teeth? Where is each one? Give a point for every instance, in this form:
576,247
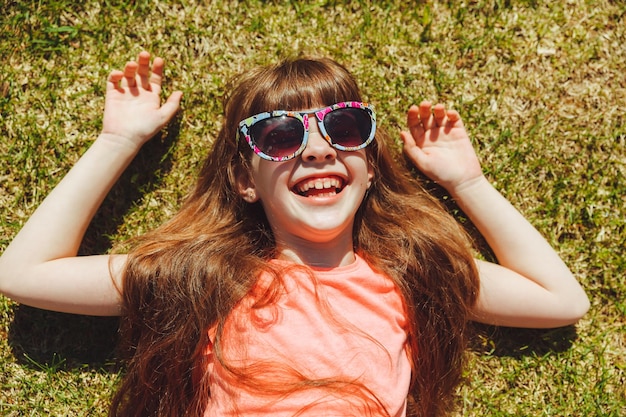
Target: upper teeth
319,184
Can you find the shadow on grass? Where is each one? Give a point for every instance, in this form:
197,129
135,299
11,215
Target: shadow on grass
50,340
516,342
143,175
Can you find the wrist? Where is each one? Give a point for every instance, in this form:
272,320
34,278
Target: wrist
119,143
469,187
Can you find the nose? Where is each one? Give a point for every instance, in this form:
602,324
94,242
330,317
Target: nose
317,148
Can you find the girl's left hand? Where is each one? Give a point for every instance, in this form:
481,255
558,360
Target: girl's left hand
439,146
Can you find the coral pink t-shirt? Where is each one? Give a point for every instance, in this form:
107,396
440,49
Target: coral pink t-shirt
346,325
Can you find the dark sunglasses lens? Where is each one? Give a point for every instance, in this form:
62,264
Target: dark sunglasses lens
278,136
349,127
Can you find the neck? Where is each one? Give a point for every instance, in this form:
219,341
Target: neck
328,254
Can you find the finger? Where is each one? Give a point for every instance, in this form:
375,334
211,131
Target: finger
411,150
414,123
408,140
439,113
114,79
453,121
157,71
143,69
171,105
130,71
453,116
413,117
426,114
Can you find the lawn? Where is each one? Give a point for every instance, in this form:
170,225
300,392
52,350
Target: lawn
540,85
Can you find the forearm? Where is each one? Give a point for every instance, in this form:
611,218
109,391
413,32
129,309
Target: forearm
40,266
517,245
57,227
515,242
531,286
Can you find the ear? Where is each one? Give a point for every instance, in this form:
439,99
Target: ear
246,188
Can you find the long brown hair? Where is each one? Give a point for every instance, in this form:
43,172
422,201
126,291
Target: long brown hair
186,276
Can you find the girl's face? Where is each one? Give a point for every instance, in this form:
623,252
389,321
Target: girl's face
313,198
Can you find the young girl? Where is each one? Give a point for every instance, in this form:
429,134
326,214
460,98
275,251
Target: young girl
307,273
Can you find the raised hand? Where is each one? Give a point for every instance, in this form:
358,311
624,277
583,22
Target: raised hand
438,144
41,267
133,110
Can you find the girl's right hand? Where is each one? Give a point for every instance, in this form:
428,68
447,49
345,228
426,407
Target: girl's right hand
41,267
133,112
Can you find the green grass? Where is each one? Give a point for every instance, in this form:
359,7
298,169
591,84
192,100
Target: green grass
541,87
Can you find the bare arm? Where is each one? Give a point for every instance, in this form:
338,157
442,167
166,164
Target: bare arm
531,286
41,267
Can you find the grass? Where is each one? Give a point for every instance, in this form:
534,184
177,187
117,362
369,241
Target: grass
541,87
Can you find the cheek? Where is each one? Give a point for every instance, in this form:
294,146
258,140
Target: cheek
361,167
266,175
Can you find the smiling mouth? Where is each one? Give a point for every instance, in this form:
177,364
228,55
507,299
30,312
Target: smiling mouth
319,187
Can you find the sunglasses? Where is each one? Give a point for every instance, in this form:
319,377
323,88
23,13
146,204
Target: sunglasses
281,135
